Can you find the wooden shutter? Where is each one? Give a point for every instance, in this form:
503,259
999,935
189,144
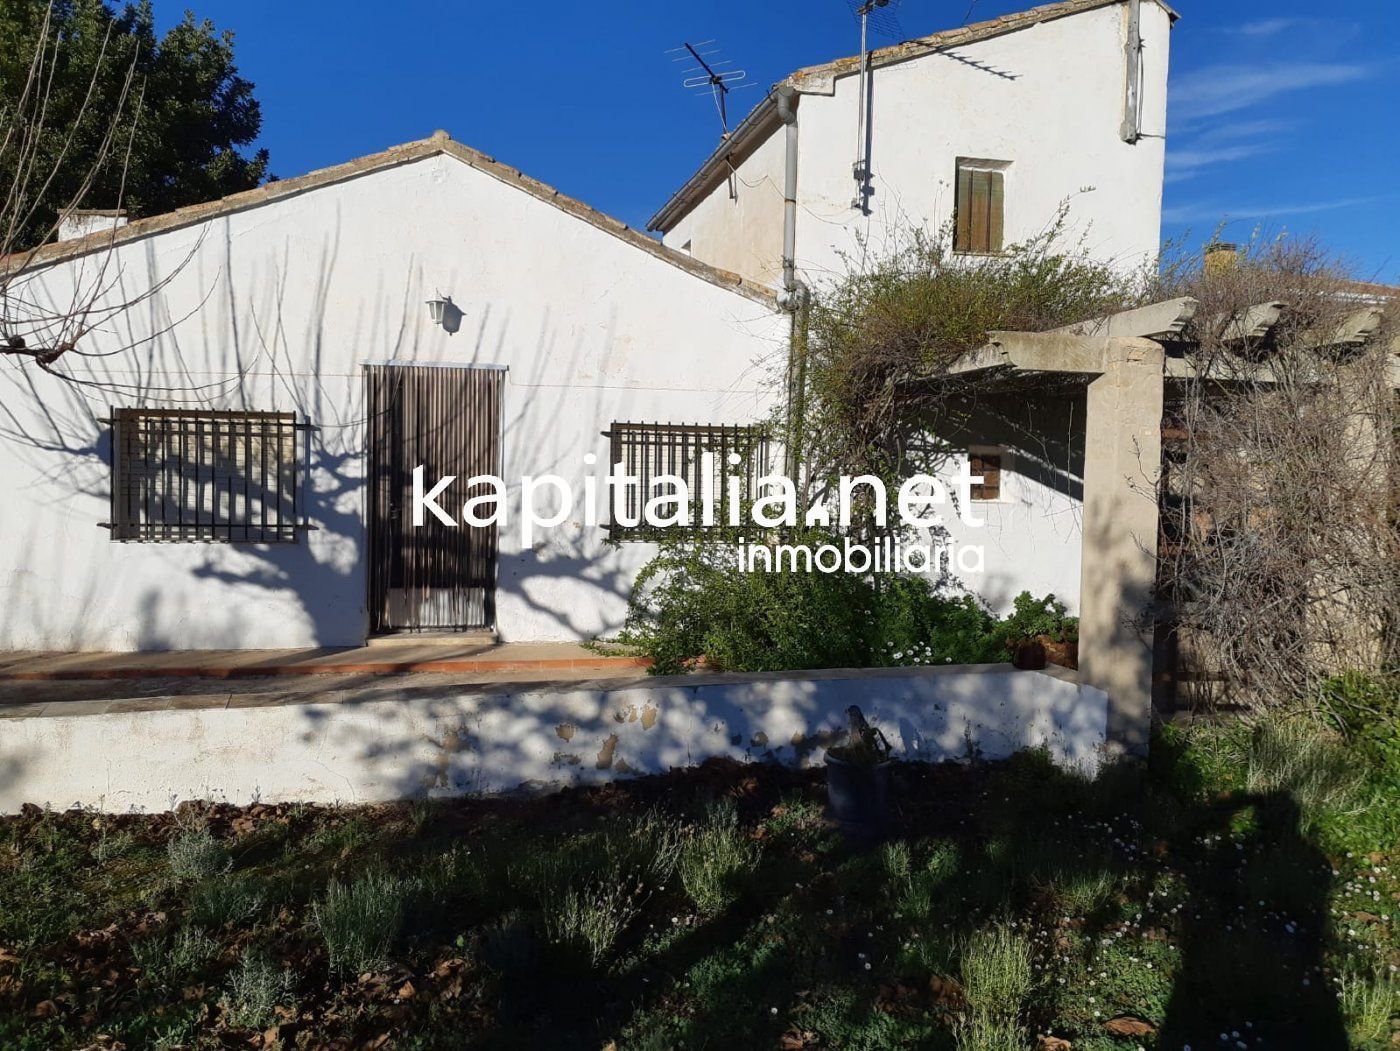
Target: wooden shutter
980,209
988,467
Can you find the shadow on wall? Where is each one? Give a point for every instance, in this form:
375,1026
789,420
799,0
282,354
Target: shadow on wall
270,347
398,740
1041,427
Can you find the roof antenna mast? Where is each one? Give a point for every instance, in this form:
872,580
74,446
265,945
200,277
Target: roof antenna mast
707,74
887,24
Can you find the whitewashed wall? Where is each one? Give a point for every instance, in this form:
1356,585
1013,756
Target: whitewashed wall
399,740
276,308
1032,535
1048,99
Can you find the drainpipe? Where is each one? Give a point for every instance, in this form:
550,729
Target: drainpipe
789,298
793,296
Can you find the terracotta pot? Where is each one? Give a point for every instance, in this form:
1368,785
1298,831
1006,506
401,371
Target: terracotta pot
1028,655
1065,654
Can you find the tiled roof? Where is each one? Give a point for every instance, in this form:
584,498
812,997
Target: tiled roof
439,143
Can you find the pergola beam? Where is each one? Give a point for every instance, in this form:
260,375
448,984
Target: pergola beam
1164,320
1252,323
1355,329
1034,352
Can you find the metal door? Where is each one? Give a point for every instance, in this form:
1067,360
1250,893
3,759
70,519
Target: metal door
446,419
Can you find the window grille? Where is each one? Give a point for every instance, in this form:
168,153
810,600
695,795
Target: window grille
647,450
182,475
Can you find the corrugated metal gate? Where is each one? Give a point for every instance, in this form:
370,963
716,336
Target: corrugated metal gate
447,419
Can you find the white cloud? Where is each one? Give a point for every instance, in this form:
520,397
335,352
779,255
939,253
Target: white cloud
1202,212
1222,144
1216,90
1184,164
1269,26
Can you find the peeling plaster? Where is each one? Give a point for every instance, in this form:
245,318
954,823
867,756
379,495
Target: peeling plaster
605,754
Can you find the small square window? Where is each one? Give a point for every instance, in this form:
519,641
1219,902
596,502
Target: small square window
985,464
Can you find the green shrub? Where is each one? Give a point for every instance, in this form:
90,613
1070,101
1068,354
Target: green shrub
915,625
196,855
169,959
590,890
256,988
220,901
692,600
715,857
917,891
592,917
1031,616
360,921
1369,999
996,980
1367,710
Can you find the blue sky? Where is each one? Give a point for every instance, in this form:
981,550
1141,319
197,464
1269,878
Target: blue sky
1284,115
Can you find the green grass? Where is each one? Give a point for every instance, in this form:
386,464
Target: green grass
1243,882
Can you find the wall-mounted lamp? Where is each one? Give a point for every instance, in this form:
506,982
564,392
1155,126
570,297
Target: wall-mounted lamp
446,313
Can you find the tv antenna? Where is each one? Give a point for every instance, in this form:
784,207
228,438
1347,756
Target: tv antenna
879,15
882,16
707,74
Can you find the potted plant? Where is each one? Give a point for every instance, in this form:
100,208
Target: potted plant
1039,632
858,778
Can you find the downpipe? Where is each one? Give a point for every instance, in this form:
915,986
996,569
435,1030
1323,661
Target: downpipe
793,296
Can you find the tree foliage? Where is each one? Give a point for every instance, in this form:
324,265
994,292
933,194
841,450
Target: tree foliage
882,337
178,139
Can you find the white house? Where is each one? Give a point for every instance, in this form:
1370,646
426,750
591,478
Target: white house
999,123
203,477
226,458
987,131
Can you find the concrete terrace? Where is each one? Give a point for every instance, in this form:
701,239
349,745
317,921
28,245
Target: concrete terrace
381,658
54,684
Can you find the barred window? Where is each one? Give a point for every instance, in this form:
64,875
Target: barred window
648,450
985,464
232,477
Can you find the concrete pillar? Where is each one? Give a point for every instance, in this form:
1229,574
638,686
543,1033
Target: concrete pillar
1122,458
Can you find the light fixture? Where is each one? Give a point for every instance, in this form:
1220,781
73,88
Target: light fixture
446,313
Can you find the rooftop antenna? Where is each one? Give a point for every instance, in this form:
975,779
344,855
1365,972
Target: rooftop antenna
707,74
881,15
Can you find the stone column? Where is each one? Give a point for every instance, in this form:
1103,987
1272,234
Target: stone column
1122,458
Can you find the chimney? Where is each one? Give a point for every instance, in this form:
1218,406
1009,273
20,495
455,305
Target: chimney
1221,257
80,222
